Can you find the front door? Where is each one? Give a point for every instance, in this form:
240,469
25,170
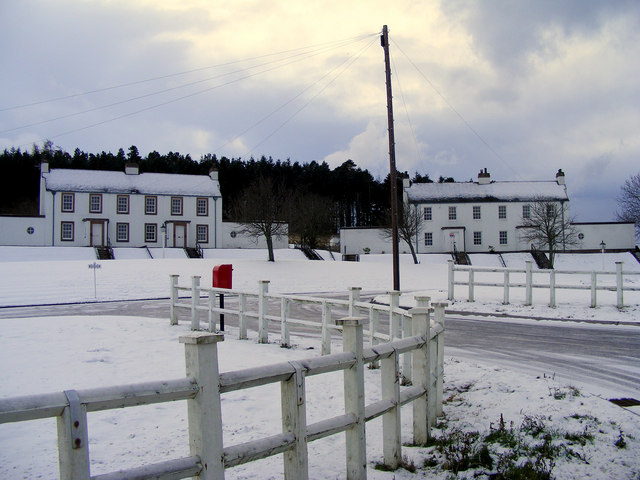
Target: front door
97,233
179,235
454,240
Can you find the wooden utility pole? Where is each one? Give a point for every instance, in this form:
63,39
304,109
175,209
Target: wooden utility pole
384,39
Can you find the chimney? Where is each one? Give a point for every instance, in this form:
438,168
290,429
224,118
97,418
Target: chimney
131,169
213,174
406,183
44,167
560,177
484,177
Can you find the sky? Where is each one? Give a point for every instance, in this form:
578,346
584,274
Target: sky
521,88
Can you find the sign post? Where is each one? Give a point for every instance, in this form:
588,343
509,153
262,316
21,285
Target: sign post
94,266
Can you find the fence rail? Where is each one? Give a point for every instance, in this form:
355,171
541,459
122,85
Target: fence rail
593,284
422,343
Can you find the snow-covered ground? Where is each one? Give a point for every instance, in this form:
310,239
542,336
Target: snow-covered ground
54,353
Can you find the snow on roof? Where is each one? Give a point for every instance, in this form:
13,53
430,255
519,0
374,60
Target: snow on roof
491,192
100,181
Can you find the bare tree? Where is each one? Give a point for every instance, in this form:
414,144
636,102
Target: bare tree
312,218
629,202
262,209
409,222
549,227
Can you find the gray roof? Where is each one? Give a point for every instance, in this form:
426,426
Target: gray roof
100,181
458,192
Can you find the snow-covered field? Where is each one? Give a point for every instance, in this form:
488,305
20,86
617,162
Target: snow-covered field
54,353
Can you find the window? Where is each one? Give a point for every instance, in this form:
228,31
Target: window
150,232
95,203
452,213
427,213
202,233
67,202
502,212
428,239
150,205
477,238
202,207
503,237
123,204
176,205
66,231
122,232
476,212
551,210
526,211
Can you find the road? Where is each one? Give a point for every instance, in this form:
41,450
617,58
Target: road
604,358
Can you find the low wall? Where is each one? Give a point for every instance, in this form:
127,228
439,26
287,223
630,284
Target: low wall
27,231
353,241
234,237
616,235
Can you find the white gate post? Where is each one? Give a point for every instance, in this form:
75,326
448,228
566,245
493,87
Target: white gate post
263,323
552,288
213,318
439,319
204,412
354,296
354,399
326,332
284,324
594,288
195,301
471,296
619,285
505,299
294,420
528,283
173,295
391,437
450,278
394,320
73,439
242,318
421,421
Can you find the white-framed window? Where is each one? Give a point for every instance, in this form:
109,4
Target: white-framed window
66,231
503,237
551,210
202,233
67,202
123,204
428,239
452,213
202,206
150,205
427,214
150,232
502,212
122,232
176,205
526,211
477,238
95,203
476,212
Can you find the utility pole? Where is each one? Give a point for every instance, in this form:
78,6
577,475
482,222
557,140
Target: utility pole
384,40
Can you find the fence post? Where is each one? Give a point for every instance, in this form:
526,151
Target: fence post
354,399
552,288
505,299
195,301
391,437
73,439
284,325
471,296
439,319
173,295
204,412
450,278
394,320
326,332
354,296
373,330
421,421
211,297
263,323
594,288
619,285
242,318
294,420
528,283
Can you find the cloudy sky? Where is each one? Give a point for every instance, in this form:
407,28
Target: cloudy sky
521,88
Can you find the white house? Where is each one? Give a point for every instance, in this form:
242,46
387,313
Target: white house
484,216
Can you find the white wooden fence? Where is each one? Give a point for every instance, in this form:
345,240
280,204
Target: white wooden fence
592,281
203,386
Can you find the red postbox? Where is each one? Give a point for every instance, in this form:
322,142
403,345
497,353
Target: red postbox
222,276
